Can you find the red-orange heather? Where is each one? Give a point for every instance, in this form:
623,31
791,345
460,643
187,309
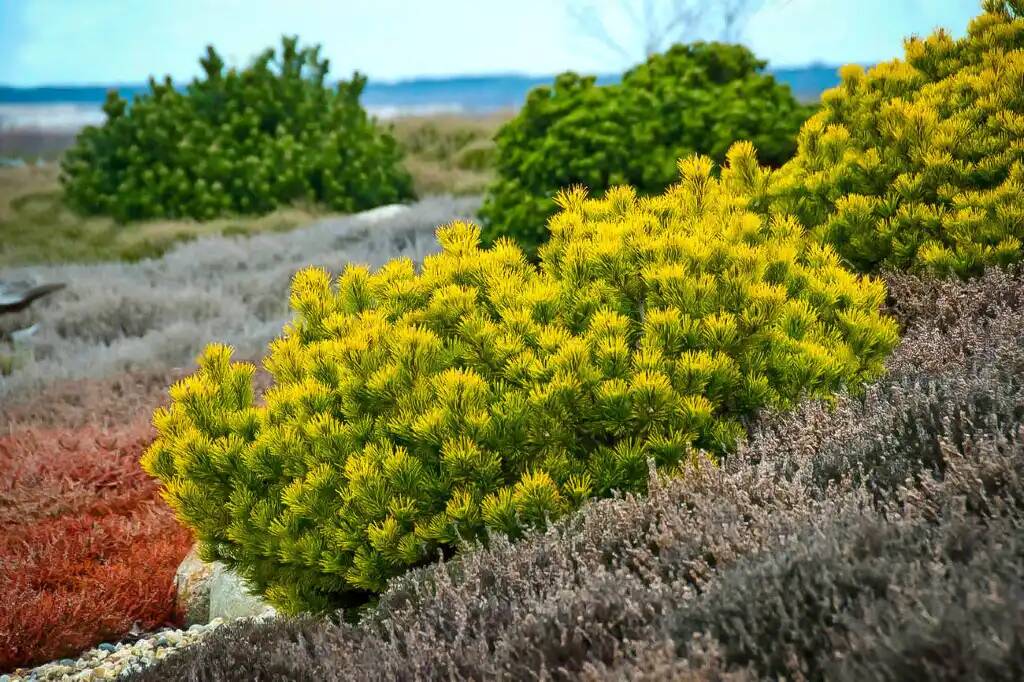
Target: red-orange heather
87,547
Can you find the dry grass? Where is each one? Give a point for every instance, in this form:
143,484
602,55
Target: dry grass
448,154
36,227
19,185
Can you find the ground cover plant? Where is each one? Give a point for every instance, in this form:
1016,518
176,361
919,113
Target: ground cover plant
88,548
156,314
698,98
876,538
411,412
105,402
917,163
237,141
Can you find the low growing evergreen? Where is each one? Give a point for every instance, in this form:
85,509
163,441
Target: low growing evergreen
698,98
412,412
918,163
237,141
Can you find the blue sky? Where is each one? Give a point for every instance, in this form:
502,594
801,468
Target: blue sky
123,41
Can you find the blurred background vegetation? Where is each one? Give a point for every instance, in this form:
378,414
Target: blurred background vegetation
444,153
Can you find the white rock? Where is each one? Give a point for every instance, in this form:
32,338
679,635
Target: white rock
206,592
379,213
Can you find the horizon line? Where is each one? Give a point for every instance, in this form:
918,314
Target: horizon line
429,78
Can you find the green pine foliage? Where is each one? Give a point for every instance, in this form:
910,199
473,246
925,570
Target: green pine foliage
698,98
918,163
237,141
412,412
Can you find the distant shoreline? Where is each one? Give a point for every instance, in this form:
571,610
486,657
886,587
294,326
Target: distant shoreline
67,117
64,108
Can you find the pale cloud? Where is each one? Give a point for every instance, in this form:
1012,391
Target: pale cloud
797,32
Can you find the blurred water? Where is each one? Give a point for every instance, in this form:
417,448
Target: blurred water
67,117
69,108
56,117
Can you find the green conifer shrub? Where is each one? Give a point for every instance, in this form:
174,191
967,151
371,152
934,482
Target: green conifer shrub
698,98
413,411
918,163
237,141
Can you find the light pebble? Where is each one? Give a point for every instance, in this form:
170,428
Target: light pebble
100,664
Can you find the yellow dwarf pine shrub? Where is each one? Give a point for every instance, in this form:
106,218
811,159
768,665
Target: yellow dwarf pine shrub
918,163
413,411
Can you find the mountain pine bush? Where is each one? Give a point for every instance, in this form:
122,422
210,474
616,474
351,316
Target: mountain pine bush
697,98
237,141
919,162
411,412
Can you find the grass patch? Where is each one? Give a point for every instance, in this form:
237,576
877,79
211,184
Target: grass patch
36,227
449,154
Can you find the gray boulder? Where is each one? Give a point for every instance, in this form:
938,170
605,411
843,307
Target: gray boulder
206,591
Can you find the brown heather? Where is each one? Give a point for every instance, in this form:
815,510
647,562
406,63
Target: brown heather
877,538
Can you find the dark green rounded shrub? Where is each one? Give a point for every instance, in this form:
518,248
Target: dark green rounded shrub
237,141
698,98
918,163
414,411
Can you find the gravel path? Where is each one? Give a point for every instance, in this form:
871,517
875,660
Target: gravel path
113,661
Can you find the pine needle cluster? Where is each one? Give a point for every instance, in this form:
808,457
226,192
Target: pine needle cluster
415,411
918,163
